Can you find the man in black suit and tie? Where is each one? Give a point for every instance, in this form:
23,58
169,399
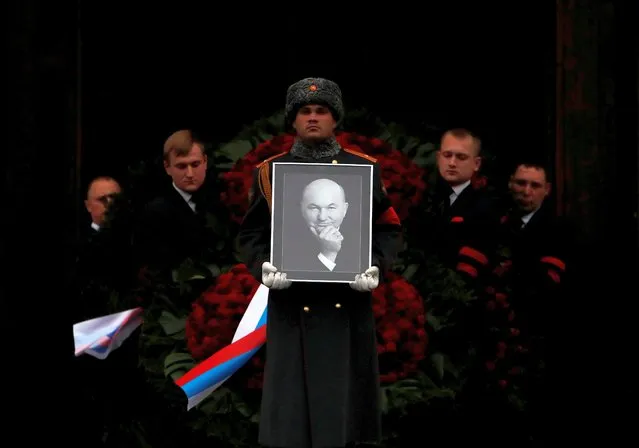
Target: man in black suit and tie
173,225
101,252
467,216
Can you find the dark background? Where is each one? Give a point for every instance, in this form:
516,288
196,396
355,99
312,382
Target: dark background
147,73
144,72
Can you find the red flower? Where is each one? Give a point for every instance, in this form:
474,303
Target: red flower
404,181
478,181
400,317
397,306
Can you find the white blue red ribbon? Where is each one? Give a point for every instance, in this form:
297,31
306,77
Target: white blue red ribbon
100,336
206,377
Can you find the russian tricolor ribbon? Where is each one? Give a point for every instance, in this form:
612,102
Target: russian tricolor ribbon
206,377
100,336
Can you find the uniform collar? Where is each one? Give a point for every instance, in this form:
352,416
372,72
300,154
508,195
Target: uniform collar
327,148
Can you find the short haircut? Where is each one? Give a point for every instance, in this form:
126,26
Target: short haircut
180,143
531,162
462,133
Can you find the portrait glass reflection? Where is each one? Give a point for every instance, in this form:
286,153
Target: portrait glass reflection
321,221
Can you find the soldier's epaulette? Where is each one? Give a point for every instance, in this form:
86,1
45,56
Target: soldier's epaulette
360,154
263,162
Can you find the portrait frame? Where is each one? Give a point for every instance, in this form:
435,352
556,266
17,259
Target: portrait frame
296,221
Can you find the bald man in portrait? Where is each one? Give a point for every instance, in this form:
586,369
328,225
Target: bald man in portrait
320,241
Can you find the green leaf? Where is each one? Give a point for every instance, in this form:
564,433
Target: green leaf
177,364
243,409
433,322
235,149
215,270
384,402
226,166
264,136
410,271
171,324
438,362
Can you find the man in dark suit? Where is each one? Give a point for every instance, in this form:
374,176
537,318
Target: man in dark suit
110,389
529,282
466,217
172,227
100,252
323,246
539,241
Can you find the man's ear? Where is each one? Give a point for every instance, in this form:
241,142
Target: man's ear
166,166
477,163
548,188
86,205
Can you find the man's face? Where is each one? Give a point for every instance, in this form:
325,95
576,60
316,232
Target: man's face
314,123
457,159
99,197
188,172
529,187
323,205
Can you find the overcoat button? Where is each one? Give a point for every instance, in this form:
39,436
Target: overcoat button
306,309
338,305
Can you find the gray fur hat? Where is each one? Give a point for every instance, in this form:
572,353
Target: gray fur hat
313,91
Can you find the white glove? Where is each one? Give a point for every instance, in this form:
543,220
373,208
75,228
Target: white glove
367,281
273,279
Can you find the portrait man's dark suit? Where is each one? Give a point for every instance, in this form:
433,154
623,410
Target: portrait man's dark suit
306,253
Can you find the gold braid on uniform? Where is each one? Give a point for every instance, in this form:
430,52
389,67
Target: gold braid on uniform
265,183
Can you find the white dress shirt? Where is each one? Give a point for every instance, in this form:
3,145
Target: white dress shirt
187,197
326,262
457,190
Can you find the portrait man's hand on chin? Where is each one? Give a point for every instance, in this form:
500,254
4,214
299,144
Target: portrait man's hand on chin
324,207
330,240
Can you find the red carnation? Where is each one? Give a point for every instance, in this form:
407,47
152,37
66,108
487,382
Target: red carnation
397,306
400,316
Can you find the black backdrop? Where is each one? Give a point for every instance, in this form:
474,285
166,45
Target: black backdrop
147,72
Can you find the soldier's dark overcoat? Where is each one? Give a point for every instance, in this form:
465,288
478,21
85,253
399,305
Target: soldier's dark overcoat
321,379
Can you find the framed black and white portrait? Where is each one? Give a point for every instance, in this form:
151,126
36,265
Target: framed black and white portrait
321,221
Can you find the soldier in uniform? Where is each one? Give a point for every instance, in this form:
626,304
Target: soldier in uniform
321,379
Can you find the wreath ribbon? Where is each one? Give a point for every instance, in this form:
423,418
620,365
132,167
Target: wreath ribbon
98,337
249,337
